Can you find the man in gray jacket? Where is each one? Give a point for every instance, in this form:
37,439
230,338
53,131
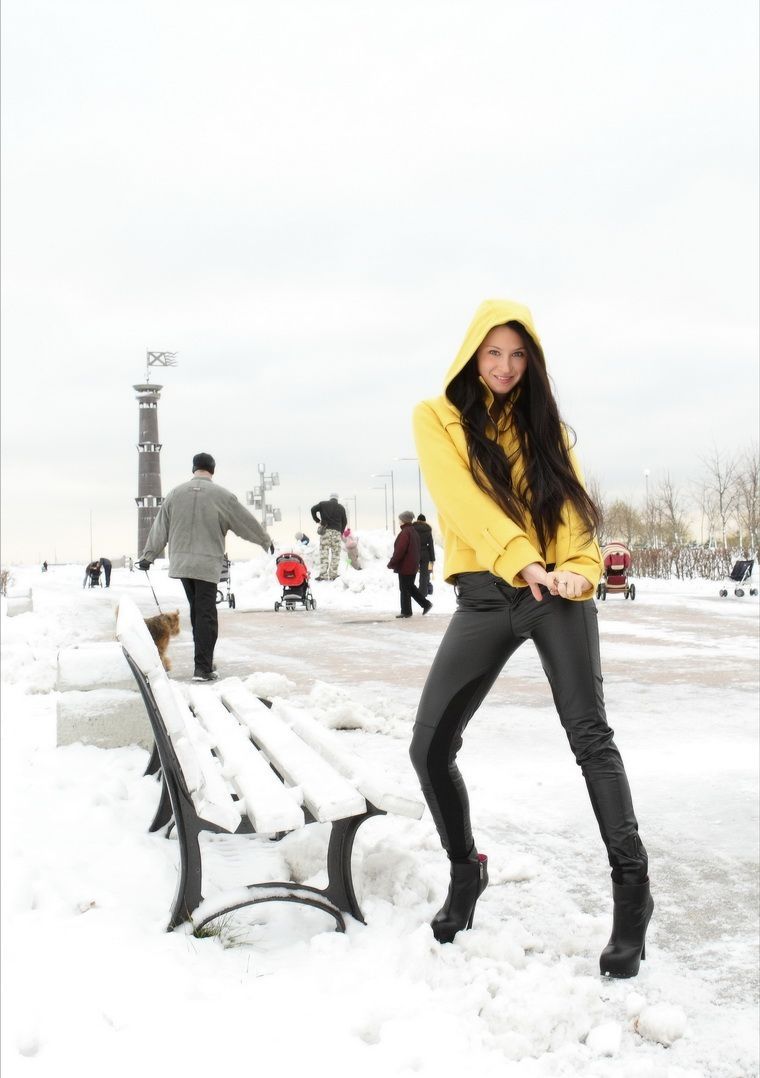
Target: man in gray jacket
194,518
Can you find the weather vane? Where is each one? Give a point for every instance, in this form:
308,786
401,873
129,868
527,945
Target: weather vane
160,359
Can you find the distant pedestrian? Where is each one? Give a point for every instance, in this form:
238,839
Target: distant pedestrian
351,543
427,553
106,564
92,575
44,566
405,561
330,516
131,565
194,519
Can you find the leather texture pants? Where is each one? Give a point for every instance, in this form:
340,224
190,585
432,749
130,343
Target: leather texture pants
492,620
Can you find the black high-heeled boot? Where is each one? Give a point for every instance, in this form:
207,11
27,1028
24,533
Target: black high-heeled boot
633,905
469,880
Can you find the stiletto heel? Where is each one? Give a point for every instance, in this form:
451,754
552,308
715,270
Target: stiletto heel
469,880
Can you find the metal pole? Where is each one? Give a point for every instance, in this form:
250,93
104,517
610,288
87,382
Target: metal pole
91,535
419,476
393,500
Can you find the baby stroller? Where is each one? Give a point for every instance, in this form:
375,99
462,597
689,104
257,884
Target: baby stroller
293,574
740,574
617,566
229,598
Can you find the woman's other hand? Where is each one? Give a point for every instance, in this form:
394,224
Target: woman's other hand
535,575
567,585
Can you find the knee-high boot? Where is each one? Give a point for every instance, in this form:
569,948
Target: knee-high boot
633,905
469,880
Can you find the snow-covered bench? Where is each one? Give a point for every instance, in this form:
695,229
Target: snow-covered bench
234,763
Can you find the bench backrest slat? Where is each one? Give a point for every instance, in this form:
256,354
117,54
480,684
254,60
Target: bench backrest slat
327,795
201,771
267,803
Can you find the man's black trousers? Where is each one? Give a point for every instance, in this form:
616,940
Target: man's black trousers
202,598
492,620
408,592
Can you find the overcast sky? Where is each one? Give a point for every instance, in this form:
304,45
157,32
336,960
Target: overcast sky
306,201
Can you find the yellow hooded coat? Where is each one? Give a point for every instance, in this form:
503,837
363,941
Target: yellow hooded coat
478,534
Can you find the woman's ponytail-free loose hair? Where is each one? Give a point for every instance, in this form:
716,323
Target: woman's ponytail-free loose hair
549,480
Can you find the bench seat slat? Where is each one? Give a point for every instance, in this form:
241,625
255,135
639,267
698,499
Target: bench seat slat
327,795
376,784
211,796
267,803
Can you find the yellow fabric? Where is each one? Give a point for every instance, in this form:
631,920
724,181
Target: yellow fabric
477,534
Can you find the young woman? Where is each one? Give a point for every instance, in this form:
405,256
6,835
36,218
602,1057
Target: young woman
520,546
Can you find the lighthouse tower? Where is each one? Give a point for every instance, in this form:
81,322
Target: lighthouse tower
148,462
149,448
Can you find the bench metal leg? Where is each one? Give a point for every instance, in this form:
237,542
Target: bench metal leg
154,763
340,887
163,812
188,895
271,892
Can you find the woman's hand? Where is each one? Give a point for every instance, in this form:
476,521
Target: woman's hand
535,574
567,585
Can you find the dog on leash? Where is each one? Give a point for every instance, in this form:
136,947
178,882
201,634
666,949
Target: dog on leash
162,627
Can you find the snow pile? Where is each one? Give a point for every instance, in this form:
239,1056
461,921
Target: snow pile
95,986
661,1022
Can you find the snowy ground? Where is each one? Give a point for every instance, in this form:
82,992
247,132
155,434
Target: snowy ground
93,985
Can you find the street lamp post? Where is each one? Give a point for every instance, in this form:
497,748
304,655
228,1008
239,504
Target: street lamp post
419,477
384,489
258,496
388,475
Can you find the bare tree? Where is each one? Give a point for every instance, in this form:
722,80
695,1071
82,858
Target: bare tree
623,521
671,520
594,489
748,496
721,484
704,500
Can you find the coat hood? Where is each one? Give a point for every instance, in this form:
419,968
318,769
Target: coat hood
492,312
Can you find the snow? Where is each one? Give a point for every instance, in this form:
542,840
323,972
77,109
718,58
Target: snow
93,984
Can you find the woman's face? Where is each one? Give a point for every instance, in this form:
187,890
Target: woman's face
502,360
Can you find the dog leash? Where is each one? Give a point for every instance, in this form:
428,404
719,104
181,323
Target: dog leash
154,594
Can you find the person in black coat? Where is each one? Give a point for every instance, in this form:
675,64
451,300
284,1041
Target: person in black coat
405,561
106,566
332,520
427,552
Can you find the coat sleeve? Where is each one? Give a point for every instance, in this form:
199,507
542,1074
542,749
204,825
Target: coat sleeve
576,551
500,545
399,549
159,532
314,511
245,524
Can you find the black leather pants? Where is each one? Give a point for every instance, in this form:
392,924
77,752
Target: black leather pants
491,621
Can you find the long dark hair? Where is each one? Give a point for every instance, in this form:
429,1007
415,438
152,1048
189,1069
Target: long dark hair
549,481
